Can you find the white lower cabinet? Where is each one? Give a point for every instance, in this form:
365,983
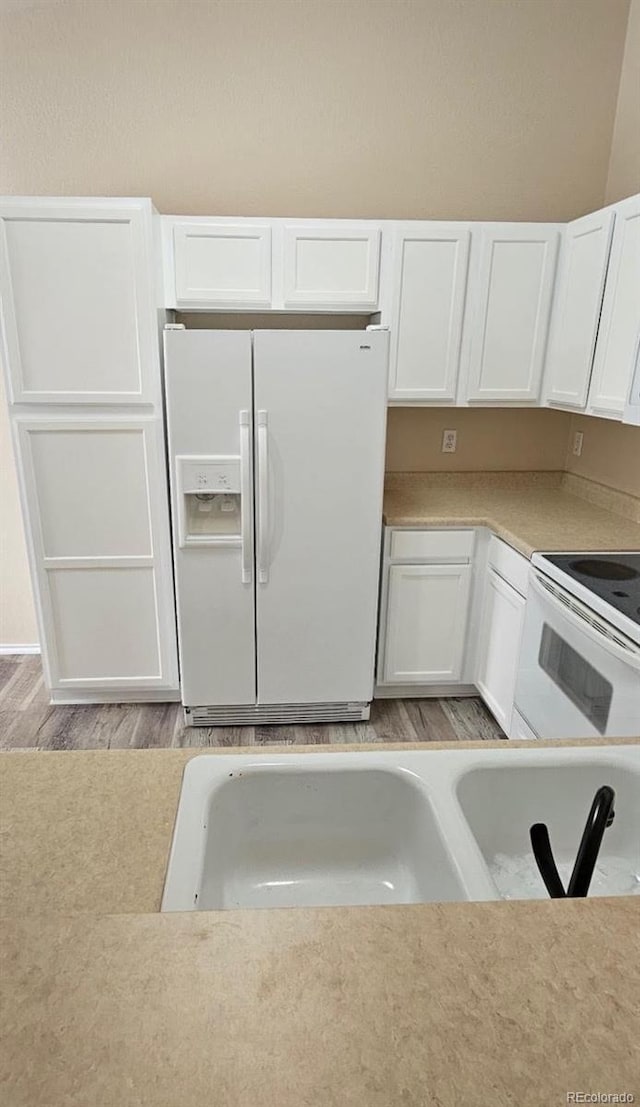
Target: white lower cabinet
94,496
499,646
426,622
439,631
426,595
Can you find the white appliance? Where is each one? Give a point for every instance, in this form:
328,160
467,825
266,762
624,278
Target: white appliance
276,448
579,667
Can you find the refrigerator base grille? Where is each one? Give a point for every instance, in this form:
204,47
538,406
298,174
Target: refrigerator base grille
274,714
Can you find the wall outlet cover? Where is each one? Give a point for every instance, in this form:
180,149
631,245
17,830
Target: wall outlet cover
449,441
577,443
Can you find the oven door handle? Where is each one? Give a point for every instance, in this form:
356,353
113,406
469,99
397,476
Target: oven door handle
572,614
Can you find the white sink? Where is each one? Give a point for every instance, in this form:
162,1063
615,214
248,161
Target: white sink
300,830
315,833
559,795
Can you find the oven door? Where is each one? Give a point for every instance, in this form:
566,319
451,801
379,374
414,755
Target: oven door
577,677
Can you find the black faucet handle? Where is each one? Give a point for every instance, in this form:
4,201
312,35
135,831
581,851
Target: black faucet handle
543,854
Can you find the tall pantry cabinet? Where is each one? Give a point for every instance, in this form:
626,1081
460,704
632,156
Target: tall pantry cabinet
81,355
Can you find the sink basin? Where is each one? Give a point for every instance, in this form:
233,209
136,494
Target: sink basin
329,829
500,804
285,836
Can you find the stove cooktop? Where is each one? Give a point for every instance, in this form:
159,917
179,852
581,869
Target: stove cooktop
615,577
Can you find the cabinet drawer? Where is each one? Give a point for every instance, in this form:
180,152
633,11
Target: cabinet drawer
442,546
511,565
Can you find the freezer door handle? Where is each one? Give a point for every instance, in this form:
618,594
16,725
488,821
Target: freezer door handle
263,499
245,495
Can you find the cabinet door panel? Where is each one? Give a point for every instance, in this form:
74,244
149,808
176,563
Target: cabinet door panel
619,333
78,316
92,491
327,266
430,279
509,333
578,300
105,625
501,630
426,623
222,264
97,528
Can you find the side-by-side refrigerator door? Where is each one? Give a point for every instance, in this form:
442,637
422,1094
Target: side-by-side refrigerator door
209,417
320,415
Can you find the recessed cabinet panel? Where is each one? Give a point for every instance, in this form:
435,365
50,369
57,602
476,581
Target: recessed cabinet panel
619,333
92,491
509,332
426,623
78,318
430,283
328,266
222,265
105,622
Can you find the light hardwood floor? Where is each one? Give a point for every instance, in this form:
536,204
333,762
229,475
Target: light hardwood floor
28,721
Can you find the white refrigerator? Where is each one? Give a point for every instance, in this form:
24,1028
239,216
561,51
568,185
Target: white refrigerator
276,455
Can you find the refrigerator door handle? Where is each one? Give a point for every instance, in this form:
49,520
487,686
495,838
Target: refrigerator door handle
245,495
263,499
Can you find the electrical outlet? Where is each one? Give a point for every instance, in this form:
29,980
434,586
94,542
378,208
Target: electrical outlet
577,443
449,441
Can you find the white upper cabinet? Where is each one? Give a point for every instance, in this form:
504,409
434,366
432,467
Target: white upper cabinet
241,264
429,280
331,266
76,292
513,290
220,264
619,334
582,271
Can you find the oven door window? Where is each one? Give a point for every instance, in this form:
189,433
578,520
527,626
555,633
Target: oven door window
584,685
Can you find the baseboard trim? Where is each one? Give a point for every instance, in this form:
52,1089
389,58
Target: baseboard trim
422,691
151,695
22,647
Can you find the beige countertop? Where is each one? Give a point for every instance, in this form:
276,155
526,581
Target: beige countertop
108,1004
466,1005
526,510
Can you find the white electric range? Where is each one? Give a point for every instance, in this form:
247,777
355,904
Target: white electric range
579,667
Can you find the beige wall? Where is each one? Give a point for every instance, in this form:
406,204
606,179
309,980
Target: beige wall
17,616
624,165
610,453
489,439
479,109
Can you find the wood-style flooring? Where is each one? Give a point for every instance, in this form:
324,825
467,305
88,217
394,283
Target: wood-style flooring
28,721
